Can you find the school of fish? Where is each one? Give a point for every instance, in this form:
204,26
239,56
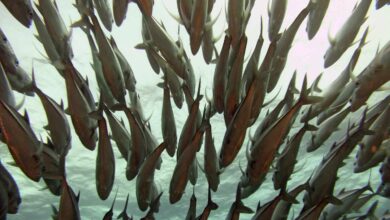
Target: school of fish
241,90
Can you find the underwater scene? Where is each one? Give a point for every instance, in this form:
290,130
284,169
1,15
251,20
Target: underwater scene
194,109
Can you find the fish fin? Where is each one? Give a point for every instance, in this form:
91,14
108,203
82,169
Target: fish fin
209,25
12,163
142,46
26,117
331,39
304,98
62,104
160,84
46,127
334,200
244,209
274,98
78,24
175,17
200,167
210,203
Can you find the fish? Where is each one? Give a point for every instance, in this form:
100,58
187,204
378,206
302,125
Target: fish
145,6
52,170
347,33
211,165
325,130
348,198
153,208
104,11
190,125
283,207
384,170
174,82
168,125
191,213
253,62
149,47
315,211
209,207
268,209
261,89
21,141
328,168
3,202
208,41
137,152
238,207
128,74
119,133
236,130
69,207
79,108
368,80
145,178
237,17
110,213
288,158
232,92
123,215
112,70
6,93
21,10
380,3
335,88
283,47
56,28
370,144
220,76
171,52
261,157
11,190
17,76
120,10
181,171
185,12
44,38
276,12
316,15
58,124
96,64
198,23
105,161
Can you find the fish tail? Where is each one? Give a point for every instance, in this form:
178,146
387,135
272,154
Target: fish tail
304,97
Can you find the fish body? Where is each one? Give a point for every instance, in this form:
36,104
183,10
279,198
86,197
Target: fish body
11,189
182,169
56,27
120,10
220,76
21,9
211,165
105,161
198,21
345,36
325,130
235,18
112,70
236,130
373,76
119,133
22,142
69,207
276,15
316,15
283,47
6,94
104,10
79,108
168,125
145,178
17,76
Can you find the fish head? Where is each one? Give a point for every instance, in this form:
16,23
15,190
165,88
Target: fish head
21,80
332,55
175,196
21,10
131,171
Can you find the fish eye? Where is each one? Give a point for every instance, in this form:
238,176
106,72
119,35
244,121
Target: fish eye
17,62
4,39
30,13
357,83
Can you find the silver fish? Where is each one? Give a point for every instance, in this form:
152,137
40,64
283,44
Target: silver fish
345,36
104,12
21,9
276,12
120,10
316,15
